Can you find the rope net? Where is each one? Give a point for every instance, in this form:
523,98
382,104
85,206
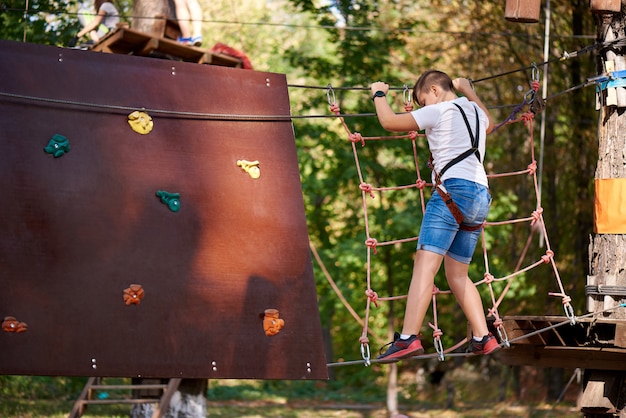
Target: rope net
534,219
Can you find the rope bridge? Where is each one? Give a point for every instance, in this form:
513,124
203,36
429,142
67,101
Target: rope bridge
534,219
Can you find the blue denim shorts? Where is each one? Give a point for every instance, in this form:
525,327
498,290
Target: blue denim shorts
441,234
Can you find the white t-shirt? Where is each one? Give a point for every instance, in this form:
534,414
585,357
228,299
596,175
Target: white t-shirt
111,18
448,138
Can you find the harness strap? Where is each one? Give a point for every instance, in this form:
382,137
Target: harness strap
454,209
474,139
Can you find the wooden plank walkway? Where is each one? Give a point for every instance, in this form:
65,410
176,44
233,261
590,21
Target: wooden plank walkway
127,41
590,343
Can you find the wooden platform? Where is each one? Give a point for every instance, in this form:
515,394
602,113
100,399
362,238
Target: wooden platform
590,343
127,41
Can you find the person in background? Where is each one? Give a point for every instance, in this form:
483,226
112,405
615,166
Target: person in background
189,16
456,129
106,19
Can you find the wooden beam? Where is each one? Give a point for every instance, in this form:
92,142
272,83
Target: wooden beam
564,357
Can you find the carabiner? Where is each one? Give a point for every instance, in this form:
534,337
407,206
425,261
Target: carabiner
439,348
535,73
329,92
503,337
569,313
406,95
365,353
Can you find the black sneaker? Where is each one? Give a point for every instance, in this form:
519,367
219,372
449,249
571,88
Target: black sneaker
487,345
399,348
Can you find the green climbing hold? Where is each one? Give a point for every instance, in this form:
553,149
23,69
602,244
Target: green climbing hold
58,146
172,200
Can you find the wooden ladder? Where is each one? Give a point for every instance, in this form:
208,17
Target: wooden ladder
94,384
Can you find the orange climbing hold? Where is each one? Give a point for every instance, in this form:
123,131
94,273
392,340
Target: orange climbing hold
272,324
10,324
133,294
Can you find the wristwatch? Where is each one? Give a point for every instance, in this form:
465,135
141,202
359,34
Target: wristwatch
379,93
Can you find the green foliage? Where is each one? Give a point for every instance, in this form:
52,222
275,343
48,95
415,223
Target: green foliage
40,387
49,22
44,22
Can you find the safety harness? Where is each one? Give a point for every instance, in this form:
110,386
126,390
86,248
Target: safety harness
454,209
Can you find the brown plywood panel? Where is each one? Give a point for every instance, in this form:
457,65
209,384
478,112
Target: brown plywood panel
79,229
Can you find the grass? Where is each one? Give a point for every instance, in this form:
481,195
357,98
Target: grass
262,409
471,391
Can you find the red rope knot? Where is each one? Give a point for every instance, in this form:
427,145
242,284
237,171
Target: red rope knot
367,188
566,299
532,167
335,108
420,184
527,117
372,296
371,242
437,332
408,107
413,135
548,256
435,290
488,278
536,215
357,137
494,312
498,322
364,340
535,84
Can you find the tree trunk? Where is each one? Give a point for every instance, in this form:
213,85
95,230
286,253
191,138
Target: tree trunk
149,16
392,390
189,401
607,251
602,394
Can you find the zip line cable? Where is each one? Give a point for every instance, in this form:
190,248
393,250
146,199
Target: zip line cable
117,109
212,116
564,57
235,117
33,12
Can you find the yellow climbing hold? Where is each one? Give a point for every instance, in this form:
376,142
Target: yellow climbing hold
250,167
140,122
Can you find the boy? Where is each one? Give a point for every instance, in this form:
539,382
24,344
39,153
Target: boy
456,128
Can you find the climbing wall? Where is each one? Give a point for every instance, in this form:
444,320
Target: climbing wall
153,222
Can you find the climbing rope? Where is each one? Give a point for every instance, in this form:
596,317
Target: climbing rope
535,104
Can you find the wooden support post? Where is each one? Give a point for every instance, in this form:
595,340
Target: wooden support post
603,391
172,387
